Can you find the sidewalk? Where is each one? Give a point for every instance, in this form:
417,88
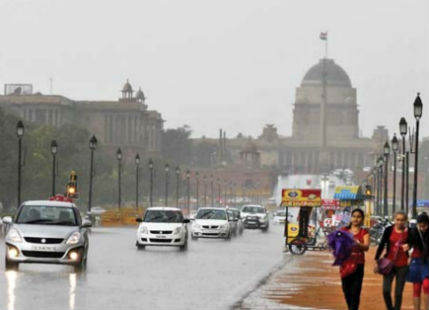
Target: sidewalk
311,282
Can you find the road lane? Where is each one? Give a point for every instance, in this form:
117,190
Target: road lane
211,274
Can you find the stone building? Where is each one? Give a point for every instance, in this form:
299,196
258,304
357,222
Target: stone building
325,130
125,123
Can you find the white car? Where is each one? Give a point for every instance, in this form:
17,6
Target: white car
255,216
162,226
211,223
279,217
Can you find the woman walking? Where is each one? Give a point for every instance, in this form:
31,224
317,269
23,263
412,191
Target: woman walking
352,270
395,258
418,274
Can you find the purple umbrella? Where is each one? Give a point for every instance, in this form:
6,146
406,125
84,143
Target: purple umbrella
341,242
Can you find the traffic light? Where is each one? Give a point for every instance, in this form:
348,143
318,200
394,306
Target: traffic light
368,190
72,191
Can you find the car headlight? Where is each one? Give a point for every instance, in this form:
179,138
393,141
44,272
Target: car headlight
143,230
177,230
14,236
224,226
74,238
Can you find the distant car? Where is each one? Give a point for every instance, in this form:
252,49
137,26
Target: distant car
255,216
47,232
211,223
97,210
239,223
279,217
162,226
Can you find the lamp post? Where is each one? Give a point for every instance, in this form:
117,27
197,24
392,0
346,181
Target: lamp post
54,149
418,110
177,185
20,134
379,179
218,190
92,146
212,189
386,175
205,190
167,180
197,188
395,147
137,160
188,191
150,182
403,126
119,158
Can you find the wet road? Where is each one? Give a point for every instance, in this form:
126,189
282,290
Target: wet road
211,274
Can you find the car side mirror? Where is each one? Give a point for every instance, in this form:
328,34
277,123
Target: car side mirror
139,220
86,223
7,220
185,221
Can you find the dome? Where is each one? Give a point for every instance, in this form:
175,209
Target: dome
127,88
335,75
140,94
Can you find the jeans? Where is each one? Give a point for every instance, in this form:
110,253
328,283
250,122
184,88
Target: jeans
352,286
400,274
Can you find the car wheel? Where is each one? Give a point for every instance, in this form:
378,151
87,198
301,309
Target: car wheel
81,266
228,237
265,229
9,265
140,246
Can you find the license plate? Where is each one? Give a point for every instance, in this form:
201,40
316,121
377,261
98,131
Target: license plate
161,237
43,248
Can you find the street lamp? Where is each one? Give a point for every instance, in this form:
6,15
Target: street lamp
119,158
418,110
403,127
177,185
20,134
197,188
150,182
188,190
386,174
205,190
137,160
54,149
218,190
380,163
92,146
395,147
167,179
212,189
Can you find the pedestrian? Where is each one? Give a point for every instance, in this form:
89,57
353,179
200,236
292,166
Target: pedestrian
418,272
352,270
394,264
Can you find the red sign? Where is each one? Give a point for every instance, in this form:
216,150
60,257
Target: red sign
301,197
330,204
60,198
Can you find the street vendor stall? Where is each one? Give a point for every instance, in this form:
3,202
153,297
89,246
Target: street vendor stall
351,197
301,224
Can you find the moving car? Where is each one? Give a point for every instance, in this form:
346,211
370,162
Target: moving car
211,223
49,232
236,214
255,216
279,217
162,226
233,221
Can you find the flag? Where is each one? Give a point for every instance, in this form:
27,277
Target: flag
324,36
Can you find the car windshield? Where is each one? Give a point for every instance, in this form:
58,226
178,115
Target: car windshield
163,216
251,209
211,214
47,215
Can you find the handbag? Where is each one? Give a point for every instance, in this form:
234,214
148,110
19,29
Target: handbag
384,264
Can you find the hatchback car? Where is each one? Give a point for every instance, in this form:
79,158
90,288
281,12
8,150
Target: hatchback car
255,216
49,232
162,226
211,223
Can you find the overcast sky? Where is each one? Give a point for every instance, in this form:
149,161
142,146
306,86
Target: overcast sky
231,64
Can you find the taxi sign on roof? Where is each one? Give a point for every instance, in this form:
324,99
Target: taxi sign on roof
301,197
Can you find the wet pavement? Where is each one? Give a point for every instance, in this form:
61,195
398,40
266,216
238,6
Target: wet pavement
211,274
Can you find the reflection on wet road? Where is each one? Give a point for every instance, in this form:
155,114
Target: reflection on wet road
211,274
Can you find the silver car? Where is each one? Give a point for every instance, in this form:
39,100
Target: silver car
49,232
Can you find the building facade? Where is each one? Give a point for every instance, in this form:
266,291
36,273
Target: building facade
125,123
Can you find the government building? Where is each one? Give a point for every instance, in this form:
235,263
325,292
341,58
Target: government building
325,131
126,122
